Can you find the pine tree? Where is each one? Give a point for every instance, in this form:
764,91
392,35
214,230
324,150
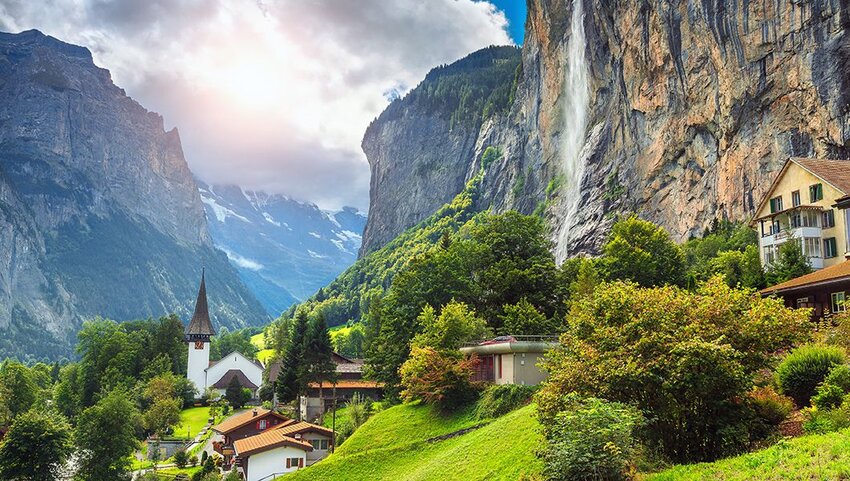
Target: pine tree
318,354
290,381
790,263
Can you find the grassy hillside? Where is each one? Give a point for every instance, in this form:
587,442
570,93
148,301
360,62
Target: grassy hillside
825,456
392,446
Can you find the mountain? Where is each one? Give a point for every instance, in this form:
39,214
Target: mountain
680,111
284,250
99,213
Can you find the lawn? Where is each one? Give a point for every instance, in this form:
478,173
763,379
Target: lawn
825,456
503,449
264,355
192,420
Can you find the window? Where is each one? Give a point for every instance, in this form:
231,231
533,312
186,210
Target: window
319,444
294,463
262,424
795,198
811,246
769,255
815,192
775,204
803,302
828,218
838,302
829,248
796,220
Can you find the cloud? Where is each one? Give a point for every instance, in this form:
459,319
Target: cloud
272,95
240,261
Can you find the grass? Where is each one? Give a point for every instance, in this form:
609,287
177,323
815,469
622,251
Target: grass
822,456
192,420
264,355
392,446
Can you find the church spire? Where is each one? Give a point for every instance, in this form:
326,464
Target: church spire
200,327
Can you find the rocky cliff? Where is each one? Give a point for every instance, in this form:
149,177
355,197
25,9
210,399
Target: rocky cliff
681,111
99,213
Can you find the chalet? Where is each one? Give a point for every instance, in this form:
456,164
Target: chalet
242,426
321,439
267,455
322,397
217,374
510,359
824,290
800,206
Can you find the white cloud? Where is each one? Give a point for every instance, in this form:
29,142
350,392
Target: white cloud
272,95
241,261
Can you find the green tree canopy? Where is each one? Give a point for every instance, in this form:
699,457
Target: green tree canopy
106,438
642,252
36,447
790,262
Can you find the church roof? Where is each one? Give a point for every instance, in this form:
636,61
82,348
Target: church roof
200,323
228,377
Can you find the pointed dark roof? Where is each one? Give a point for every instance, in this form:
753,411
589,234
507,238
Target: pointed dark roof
200,323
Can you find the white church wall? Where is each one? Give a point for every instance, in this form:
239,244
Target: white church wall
234,360
199,360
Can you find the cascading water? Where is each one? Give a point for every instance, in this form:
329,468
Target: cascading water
576,99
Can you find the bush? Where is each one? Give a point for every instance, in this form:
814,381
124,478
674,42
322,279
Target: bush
800,373
437,378
839,376
819,421
770,406
498,400
181,458
590,439
829,396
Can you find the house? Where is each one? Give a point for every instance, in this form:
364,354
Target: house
510,359
824,290
264,456
321,439
200,370
349,381
800,205
244,425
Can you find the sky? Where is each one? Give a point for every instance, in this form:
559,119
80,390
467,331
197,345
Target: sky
273,94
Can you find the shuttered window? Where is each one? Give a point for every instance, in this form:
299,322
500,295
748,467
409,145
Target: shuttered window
815,192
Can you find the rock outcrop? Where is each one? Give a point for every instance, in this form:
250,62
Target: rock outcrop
99,213
693,106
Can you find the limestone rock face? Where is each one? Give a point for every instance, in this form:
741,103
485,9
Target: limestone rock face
99,213
693,107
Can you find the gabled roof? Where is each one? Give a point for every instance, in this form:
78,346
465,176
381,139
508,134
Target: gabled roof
343,364
200,323
268,440
348,384
834,172
237,421
829,275
228,377
302,427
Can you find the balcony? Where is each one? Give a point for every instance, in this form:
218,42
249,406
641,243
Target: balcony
783,235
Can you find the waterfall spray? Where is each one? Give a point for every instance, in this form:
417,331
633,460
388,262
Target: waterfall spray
576,98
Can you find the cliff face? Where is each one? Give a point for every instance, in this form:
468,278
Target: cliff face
689,110
99,213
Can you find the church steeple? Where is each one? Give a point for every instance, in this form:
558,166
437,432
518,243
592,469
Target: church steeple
200,327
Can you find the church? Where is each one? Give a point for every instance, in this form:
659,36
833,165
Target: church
217,374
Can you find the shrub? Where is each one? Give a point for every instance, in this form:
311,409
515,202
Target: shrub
589,438
498,400
839,376
437,378
685,359
820,421
193,461
181,458
800,373
829,396
770,406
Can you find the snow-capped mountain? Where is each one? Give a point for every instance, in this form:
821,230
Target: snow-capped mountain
284,249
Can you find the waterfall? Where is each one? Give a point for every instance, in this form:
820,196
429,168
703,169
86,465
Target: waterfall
576,99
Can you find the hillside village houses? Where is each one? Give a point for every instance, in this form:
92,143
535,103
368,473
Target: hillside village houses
809,203
259,443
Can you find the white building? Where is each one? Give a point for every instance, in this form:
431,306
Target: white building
264,456
219,374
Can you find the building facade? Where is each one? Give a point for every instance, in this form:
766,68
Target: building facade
199,334
511,359
803,205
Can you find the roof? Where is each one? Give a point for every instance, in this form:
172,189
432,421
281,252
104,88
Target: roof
834,172
238,420
268,440
837,273
200,323
302,427
228,377
349,384
512,344
784,211
349,367
343,364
